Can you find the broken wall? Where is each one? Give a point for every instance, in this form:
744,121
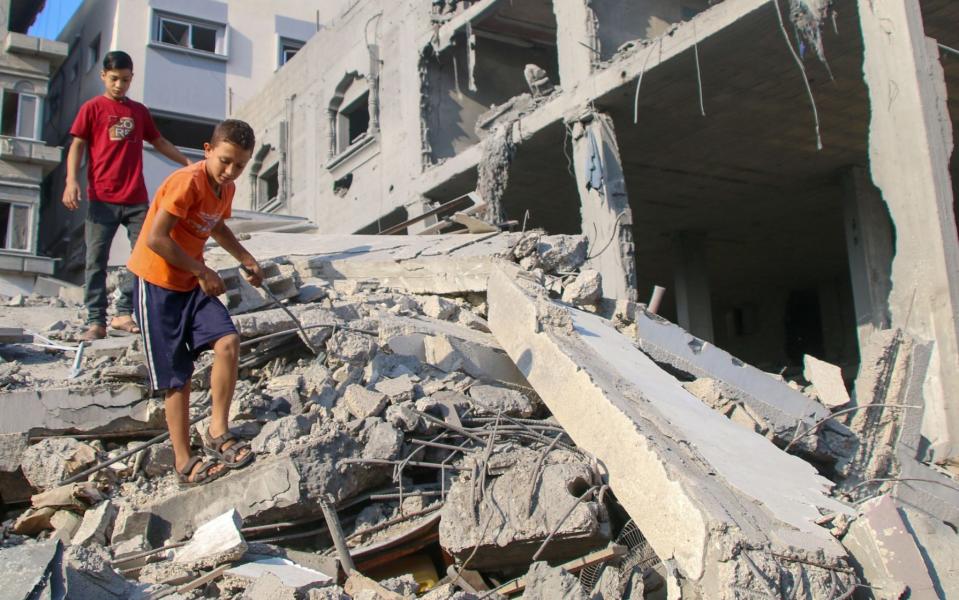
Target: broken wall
621,21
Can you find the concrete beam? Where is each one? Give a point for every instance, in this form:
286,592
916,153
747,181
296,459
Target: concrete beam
67,410
701,489
910,142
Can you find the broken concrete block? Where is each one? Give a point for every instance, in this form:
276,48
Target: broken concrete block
65,523
159,460
585,290
939,544
437,307
544,582
74,496
112,347
31,570
350,347
63,410
397,389
363,403
97,525
274,435
357,583
51,460
241,297
289,579
269,586
713,394
779,407
402,417
492,399
331,592
561,253
380,439
34,520
14,486
886,551
215,542
88,574
523,506
721,487
827,379
474,352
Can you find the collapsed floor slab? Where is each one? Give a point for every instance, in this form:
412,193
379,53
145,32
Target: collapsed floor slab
63,410
777,406
717,502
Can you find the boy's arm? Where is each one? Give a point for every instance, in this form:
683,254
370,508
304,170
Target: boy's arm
227,240
159,240
71,192
167,149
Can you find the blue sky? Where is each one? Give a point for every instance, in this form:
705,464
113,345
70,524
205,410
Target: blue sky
53,17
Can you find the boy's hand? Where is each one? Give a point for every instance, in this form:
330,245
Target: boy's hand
253,273
210,282
71,195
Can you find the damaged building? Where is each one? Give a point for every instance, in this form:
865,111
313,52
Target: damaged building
606,299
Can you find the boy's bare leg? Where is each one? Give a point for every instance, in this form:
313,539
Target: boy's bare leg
226,355
177,406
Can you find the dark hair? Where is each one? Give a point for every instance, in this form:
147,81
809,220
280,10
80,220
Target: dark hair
116,60
237,132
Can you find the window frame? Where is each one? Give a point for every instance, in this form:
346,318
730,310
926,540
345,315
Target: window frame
221,33
37,115
8,234
282,44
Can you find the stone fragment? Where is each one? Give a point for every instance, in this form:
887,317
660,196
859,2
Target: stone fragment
608,585
883,546
75,496
491,399
544,582
241,297
65,523
270,587
402,417
405,585
350,347
827,378
30,570
88,574
34,520
363,403
215,542
97,525
111,347
585,290
159,459
561,253
397,389
14,486
523,506
438,307
357,583
332,592
275,435
381,440
51,460
693,482
714,395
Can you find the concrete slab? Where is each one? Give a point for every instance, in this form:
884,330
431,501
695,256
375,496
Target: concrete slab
215,542
114,347
14,486
881,543
827,378
699,487
67,410
30,569
779,406
288,572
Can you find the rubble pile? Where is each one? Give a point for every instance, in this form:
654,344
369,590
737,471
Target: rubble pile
468,418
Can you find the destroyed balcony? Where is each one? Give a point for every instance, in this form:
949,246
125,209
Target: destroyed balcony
23,262
28,45
33,152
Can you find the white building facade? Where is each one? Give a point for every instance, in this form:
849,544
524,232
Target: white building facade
194,62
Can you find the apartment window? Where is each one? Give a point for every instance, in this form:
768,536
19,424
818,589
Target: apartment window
269,192
93,53
352,122
185,133
14,226
187,33
20,115
288,49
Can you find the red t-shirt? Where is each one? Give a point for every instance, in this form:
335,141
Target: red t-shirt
114,131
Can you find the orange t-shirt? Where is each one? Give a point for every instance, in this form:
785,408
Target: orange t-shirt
186,194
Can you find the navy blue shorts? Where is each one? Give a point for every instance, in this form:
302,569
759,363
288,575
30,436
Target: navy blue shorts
176,328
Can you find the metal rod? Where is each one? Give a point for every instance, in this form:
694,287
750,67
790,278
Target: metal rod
156,440
299,326
379,461
336,532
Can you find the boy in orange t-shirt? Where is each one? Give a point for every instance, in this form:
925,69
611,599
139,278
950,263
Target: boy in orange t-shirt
175,297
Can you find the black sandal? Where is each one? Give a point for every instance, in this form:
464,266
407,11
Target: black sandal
202,475
214,447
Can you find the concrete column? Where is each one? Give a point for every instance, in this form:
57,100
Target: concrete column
577,45
869,250
607,218
910,141
694,307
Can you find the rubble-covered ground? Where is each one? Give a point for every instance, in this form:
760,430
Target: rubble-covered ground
446,470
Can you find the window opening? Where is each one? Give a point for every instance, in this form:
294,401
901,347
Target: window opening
288,49
188,34
19,115
14,226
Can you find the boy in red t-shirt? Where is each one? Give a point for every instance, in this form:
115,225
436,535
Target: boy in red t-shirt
113,127
176,297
